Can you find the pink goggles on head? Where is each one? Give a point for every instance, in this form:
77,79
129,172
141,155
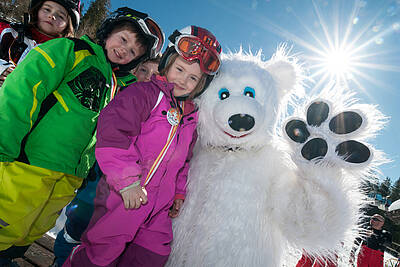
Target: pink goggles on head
191,47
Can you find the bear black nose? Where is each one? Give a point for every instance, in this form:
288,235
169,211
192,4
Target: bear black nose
241,122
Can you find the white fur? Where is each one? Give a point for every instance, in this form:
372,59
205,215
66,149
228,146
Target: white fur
250,198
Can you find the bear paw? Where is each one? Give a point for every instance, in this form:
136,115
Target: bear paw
322,135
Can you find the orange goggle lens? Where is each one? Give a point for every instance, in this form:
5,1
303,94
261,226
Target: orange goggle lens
192,48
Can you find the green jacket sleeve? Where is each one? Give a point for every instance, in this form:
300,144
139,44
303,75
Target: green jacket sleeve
25,89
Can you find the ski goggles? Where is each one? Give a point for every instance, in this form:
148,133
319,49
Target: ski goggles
191,47
148,26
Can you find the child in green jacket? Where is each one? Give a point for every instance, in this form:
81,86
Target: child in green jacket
48,114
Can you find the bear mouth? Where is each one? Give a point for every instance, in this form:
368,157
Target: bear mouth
236,137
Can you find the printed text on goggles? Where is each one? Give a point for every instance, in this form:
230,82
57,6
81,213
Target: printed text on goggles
150,27
191,47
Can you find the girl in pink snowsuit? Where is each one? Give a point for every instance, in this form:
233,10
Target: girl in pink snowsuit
145,138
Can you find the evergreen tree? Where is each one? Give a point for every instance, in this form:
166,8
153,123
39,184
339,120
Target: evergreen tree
20,7
395,195
13,10
5,6
370,185
98,10
385,187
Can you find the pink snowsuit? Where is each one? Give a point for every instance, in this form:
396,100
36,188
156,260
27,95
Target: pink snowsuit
130,136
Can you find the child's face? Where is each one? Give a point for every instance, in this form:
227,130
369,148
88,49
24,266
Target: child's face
145,70
184,75
52,19
377,223
122,48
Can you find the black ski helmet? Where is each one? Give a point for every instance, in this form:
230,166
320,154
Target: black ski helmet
210,42
148,27
73,8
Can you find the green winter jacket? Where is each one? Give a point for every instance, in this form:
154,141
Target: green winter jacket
50,103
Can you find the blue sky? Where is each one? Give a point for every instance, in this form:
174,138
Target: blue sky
367,32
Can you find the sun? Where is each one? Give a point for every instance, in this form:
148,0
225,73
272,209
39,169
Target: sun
337,62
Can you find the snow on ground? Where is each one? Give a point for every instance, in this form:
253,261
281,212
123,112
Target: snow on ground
291,257
59,225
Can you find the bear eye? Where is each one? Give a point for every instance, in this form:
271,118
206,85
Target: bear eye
248,91
223,93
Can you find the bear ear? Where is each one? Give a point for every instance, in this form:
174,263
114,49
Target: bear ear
284,73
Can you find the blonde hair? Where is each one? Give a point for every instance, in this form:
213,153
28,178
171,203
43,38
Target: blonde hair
200,85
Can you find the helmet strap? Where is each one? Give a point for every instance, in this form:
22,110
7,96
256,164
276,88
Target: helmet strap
182,97
165,58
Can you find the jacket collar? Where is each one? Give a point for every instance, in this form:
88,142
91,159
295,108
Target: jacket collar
167,88
38,36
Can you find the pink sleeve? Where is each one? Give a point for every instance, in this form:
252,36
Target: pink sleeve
118,126
119,165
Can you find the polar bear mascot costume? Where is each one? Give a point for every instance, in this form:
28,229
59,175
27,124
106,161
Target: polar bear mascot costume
260,181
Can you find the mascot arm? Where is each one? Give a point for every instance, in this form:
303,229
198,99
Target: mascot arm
316,215
331,159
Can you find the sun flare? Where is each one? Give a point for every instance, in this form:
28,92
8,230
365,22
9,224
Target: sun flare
343,54
339,46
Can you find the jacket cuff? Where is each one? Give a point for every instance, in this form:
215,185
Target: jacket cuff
137,183
4,65
120,184
179,196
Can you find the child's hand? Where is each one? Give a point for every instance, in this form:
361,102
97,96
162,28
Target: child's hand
174,212
134,197
4,75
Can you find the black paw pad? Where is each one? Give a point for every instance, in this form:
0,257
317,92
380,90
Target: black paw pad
315,148
353,151
345,122
297,131
317,113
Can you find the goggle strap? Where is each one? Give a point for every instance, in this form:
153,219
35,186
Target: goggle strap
140,14
146,29
173,36
123,12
